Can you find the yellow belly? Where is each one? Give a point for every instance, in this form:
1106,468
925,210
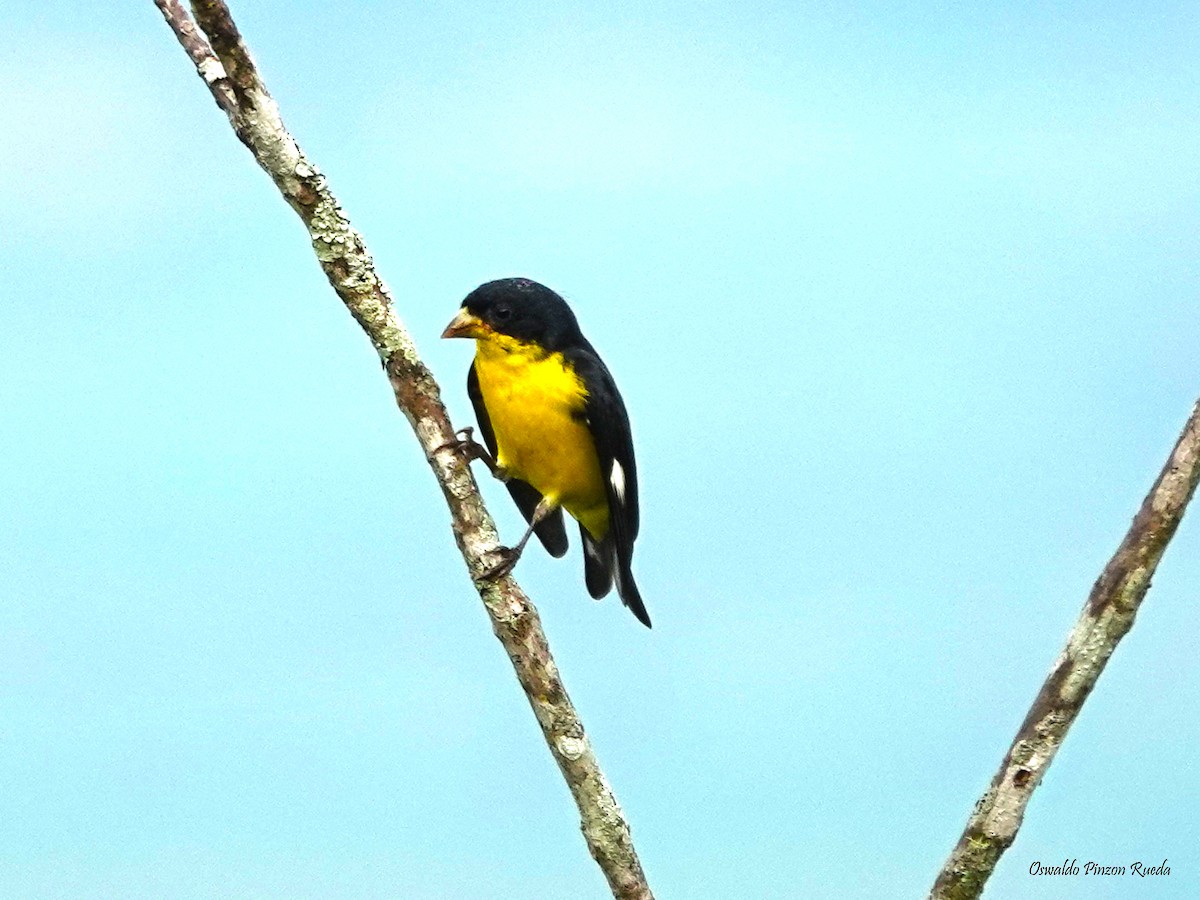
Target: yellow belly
534,402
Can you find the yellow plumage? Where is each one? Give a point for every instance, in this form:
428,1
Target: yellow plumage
535,402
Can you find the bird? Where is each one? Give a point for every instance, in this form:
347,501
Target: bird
555,428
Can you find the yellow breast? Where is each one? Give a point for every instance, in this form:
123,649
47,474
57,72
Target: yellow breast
535,402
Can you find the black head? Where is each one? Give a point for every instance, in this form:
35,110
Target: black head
521,309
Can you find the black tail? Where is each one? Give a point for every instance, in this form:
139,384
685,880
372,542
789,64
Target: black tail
629,593
597,564
601,568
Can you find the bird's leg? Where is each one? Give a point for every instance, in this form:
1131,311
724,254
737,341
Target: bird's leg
510,555
470,449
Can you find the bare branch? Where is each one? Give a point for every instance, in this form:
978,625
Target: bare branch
343,256
201,55
1106,618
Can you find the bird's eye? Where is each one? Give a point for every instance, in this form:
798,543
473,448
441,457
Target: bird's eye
503,313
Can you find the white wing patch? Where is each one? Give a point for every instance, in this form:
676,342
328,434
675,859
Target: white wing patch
617,479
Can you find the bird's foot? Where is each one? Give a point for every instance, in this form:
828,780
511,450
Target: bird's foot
464,443
508,559
470,449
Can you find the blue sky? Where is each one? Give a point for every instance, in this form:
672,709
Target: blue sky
902,301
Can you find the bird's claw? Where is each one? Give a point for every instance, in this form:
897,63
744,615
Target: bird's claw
466,446
508,559
470,449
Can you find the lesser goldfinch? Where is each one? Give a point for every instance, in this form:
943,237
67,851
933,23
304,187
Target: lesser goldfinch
555,427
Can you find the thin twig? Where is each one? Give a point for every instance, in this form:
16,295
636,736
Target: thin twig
239,91
196,46
1106,618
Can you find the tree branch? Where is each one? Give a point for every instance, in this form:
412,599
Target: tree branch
201,55
226,66
1106,618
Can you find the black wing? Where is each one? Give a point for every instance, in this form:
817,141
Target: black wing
550,531
606,418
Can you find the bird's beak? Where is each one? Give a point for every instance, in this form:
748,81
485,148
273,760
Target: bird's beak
464,325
